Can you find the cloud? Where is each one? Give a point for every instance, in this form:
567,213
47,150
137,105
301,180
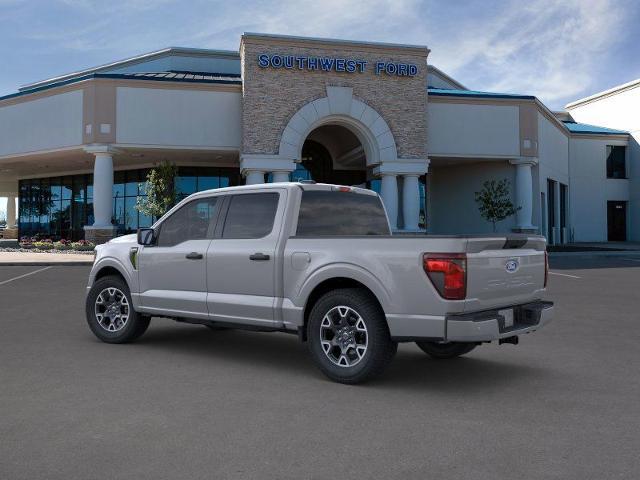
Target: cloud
557,50
546,48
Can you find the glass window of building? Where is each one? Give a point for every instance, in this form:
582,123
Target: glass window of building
60,207
616,164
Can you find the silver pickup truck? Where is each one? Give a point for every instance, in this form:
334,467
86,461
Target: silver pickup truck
318,261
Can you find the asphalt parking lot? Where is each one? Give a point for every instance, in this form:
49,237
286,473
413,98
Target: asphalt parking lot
186,402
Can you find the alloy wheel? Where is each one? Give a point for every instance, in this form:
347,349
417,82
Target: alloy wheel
112,309
343,336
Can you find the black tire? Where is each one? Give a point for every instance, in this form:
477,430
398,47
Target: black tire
443,351
135,325
380,349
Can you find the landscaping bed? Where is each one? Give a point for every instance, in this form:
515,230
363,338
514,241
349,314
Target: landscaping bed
47,245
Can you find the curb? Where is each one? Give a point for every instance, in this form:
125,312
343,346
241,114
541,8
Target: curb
609,253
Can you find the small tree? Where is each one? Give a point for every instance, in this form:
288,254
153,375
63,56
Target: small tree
494,201
160,190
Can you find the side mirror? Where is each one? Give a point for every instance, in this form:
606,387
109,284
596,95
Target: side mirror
146,236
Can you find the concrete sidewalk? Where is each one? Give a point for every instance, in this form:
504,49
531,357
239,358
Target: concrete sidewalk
44,259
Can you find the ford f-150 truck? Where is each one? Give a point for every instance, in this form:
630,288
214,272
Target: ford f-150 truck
319,261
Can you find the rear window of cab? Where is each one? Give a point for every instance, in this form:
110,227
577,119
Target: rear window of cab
335,213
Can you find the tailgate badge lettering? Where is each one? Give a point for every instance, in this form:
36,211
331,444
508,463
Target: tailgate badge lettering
511,266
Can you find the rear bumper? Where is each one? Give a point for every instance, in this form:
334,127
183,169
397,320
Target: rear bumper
483,326
490,325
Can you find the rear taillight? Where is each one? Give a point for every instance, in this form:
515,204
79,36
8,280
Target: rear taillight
546,268
448,273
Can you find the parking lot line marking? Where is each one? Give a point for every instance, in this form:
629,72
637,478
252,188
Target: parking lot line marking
632,259
564,275
25,275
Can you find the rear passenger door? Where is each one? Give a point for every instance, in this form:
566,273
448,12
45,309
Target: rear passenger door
242,258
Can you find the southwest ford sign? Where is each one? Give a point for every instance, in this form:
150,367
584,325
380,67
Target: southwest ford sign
333,64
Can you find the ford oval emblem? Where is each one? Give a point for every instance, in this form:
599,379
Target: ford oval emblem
511,266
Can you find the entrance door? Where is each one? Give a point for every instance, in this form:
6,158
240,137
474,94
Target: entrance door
317,160
551,210
617,221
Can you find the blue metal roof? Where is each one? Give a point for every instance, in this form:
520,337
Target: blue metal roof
188,77
444,92
575,127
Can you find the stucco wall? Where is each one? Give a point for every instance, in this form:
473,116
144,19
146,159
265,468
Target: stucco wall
590,190
43,124
620,111
190,118
553,163
451,195
473,129
272,96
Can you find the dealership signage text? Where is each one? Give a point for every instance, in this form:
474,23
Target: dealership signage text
333,64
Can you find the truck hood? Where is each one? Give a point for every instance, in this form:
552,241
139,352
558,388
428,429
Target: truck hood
131,238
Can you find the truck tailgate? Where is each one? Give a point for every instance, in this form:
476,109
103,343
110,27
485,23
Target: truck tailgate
503,271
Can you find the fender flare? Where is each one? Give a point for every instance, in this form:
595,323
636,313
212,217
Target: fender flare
113,262
344,270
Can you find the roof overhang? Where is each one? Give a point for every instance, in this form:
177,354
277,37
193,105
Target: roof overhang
606,93
145,57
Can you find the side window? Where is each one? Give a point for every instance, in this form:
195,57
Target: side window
616,167
193,221
250,215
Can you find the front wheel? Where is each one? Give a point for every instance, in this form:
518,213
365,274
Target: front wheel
110,314
348,336
446,350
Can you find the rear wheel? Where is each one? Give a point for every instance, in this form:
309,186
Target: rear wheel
110,313
445,350
348,336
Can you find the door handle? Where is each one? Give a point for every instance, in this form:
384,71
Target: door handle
194,256
259,256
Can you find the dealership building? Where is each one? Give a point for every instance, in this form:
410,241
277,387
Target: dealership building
75,150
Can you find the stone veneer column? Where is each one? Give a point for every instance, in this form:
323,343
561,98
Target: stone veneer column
524,193
102,229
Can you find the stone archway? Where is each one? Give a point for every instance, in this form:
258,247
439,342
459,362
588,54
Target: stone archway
339,107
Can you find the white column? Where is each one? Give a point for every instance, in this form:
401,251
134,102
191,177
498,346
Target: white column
524,193
11,212
389,194
103,189
411,202
280,176
254,177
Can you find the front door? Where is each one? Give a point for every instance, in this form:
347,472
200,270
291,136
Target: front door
242,260
617,221
173,273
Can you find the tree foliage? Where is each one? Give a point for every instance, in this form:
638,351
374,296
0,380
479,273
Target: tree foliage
494,201
160,190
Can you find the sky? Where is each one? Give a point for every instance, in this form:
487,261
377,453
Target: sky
557,50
